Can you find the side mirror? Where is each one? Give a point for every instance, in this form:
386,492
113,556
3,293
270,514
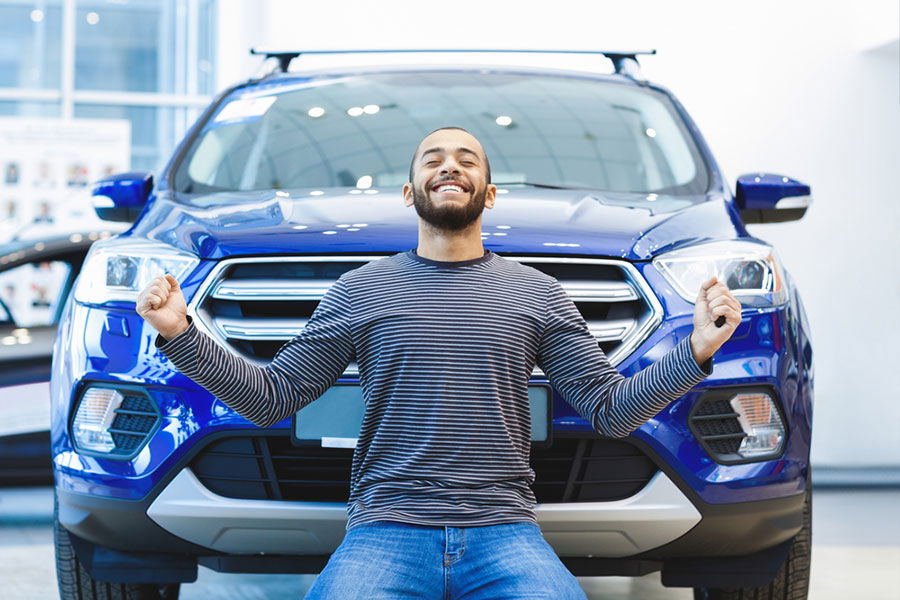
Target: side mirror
771,198
122,197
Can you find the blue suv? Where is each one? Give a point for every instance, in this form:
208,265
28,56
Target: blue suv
289,180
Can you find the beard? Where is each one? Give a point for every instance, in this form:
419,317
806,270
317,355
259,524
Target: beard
450,216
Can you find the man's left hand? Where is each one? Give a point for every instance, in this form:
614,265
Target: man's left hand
713,301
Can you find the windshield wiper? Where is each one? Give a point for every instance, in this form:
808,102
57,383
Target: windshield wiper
540,185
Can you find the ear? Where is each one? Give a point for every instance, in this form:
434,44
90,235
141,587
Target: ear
407,194
490,196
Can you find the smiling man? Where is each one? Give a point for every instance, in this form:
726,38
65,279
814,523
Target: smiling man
445,336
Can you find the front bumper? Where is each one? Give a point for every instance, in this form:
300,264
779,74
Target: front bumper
665,519
655,516
188,523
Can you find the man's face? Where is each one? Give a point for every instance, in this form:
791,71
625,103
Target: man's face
450,188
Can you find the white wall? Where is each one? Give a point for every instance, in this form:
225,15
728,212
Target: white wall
804,88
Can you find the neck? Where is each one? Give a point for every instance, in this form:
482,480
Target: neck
450,246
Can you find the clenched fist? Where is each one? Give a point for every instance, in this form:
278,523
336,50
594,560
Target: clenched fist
714,300
162,305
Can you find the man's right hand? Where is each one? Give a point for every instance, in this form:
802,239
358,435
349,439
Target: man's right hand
162,305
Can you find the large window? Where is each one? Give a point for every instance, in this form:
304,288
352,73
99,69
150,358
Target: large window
148,61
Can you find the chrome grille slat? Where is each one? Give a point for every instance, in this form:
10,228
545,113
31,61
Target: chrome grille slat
314,289
272,289
260,328
599,291
285,329
611,331
619,307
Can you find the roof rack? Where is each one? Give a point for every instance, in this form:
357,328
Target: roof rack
625,63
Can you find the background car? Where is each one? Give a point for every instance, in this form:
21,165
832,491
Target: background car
288,181
36,277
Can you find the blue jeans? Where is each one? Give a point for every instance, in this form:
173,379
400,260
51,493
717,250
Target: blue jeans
387,560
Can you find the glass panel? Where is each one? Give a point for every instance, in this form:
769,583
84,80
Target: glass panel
153,130
563,131
117,46
16,108
30,34
206,83
33,291
141,46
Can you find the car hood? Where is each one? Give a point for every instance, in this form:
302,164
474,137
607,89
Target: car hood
346,220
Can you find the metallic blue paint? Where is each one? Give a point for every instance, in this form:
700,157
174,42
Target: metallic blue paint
129,193
761,191
602,224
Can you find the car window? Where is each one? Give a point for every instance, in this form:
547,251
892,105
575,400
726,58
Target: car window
361,130
34,291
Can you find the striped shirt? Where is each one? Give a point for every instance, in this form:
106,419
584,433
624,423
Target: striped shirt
445,352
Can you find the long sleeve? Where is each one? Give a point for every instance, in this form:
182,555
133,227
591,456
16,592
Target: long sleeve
301,371
615,405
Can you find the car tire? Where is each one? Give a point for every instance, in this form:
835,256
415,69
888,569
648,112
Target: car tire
792,580
75,583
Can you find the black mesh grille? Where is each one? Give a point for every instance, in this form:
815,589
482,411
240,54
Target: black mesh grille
572,469
715,423
135,418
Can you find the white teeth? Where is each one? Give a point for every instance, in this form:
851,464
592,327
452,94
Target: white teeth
445,188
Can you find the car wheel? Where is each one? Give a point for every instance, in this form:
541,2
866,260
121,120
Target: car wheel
792,580
75,583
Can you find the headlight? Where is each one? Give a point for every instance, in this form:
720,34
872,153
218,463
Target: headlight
118,269
751,270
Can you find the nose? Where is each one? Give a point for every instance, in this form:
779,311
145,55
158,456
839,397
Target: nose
450,166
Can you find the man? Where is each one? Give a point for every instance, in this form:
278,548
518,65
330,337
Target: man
445,337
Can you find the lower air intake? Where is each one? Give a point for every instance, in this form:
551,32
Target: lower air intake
575,468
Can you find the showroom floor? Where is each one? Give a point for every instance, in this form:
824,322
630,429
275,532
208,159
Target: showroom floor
856,554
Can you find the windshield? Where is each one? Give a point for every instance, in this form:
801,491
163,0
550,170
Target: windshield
361,131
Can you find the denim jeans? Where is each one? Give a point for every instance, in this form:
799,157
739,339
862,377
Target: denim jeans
383,560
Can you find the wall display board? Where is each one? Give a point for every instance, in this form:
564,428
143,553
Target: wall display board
47,166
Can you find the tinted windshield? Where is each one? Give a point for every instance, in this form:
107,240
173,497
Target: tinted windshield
362,131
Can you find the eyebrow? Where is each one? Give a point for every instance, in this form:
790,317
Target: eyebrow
439,149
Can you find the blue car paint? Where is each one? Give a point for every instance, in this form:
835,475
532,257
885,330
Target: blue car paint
112,343
768,189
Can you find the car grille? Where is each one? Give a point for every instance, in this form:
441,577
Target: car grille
575,468
255,305
714,422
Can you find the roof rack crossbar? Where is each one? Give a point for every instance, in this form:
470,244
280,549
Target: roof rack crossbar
625,63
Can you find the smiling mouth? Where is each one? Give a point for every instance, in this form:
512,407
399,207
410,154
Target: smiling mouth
449,188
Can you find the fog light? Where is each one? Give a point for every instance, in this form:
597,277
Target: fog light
739,425
114,420
96,411
760,420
